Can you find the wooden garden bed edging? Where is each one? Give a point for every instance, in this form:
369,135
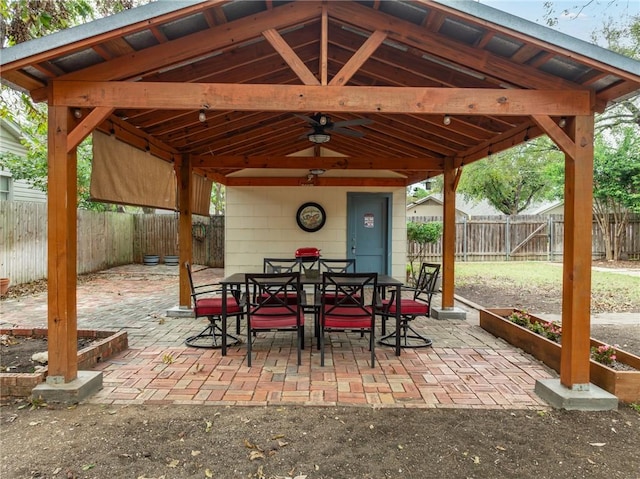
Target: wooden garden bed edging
625,385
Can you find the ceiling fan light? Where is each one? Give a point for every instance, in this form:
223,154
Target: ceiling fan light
446,120
319,137
317,171
202,116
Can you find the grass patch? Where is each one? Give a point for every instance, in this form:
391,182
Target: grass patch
607,289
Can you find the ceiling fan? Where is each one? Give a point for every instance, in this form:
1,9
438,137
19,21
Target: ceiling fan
322,127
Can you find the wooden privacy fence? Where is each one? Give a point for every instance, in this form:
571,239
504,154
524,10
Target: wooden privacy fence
105,239
158,234
519,238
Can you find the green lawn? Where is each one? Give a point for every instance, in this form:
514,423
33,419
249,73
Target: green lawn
603,284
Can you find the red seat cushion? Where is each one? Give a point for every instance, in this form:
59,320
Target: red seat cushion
274,318
347,318
408,307
213,306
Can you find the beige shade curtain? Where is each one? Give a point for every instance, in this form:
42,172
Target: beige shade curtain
126,175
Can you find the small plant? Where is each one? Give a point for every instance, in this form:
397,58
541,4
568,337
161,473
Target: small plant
635,407
520,318
604,354
551,331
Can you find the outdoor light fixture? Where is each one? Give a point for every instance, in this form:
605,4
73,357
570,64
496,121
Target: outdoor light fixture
563,122
317,171
77,113
202,116
446,120
318,137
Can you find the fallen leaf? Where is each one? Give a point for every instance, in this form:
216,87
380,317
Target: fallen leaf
500,448
476,460
208,427
208,473
590,461
173,463
260,473
56,471
256,455
278,436
400,447
195,453
248,444
35,423
88,467
282,443
597,444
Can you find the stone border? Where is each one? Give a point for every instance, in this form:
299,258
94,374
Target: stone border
107,344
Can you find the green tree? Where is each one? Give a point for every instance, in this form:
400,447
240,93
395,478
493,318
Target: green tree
514,179
616,179
419,236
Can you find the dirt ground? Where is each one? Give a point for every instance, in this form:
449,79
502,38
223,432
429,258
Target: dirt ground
145,442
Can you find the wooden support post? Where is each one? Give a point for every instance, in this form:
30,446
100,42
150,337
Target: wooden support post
449,234
185,240
62,250
576,285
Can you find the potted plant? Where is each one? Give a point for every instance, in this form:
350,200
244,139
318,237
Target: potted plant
532,335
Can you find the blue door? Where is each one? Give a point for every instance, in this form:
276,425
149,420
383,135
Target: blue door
369,231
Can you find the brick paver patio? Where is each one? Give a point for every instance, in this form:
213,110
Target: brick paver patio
465,368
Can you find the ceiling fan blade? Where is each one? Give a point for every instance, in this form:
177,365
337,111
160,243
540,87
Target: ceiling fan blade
354,122
305,135
344,131
308,119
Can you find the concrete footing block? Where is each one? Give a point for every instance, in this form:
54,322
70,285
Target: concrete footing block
561,397
448,313
86,384
180,312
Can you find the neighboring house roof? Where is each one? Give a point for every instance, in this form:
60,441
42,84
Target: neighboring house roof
483,207
468,208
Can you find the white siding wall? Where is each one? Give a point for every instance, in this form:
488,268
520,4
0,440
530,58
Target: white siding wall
261,222
19,190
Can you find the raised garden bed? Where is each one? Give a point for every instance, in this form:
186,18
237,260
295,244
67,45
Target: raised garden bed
105,344
625,385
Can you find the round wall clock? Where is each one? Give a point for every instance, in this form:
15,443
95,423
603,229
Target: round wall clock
311,217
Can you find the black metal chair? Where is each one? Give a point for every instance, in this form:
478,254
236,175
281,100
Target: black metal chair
275,303
280,265
410,308
350,311
207,301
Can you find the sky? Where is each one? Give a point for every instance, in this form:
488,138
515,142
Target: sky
577,23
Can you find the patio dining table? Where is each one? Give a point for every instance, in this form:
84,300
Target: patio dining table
237,280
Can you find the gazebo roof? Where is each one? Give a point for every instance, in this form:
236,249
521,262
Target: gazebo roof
256,68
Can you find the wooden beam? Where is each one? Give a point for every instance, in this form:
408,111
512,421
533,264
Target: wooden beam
358,59
305,98
449,235
444,47
87,125
62,250
292,181
324,45
324,162
89,41
185,241
289,56
557,134
191,46
576,282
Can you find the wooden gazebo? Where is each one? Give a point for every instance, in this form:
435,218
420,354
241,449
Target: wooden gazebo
439,84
